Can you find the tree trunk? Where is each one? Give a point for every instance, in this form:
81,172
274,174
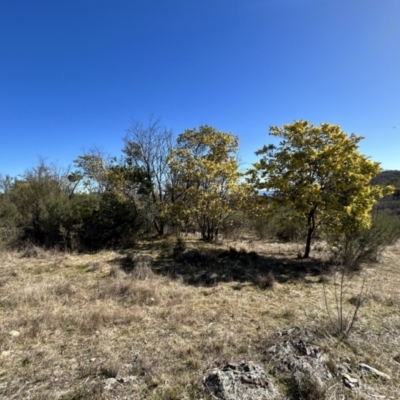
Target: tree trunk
159,227
311,229
308,244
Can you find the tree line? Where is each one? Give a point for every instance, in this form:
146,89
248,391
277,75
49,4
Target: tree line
315,178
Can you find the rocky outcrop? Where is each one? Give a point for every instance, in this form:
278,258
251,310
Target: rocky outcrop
245,381
302,367
297,355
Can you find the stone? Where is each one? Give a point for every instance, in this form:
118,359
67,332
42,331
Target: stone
349,381
374,371
14,333
244,381
127,379
109,383
298,363
298,356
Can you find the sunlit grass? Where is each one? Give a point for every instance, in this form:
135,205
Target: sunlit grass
69,322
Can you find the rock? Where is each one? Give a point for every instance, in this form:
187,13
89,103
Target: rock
349,381
299,365
345,369
373,371
59,394
127,379
244,381
298,356
109,383
14,333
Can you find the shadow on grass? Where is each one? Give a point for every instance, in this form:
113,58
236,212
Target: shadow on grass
208,267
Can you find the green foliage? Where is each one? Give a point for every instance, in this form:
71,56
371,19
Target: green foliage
35,206
114,222
9,230
319,174
236,226
352,249
315,177
283,225
45,208
111,216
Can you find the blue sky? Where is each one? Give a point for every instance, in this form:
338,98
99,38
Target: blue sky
73,74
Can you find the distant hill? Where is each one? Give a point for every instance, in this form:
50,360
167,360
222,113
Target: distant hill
387,178
389,204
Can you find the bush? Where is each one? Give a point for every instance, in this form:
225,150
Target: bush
305,387
142,269
281,225
179,248
44,208
265,281
352,249
235,225
110,221
32,206
341,319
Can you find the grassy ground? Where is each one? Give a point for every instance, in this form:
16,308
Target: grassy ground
70,322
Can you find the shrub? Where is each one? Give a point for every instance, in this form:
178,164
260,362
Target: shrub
265,281
142,267
281,225
341,320
305,387
139,266
235,226
179,248
204,257
352,249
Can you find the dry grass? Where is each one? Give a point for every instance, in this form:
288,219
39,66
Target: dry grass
70,323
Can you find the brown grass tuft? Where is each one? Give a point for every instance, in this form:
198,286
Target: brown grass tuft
265,281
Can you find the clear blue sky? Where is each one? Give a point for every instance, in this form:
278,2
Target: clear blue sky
73,74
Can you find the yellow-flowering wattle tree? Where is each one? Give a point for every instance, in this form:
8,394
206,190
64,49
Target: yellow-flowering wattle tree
206,185
319,174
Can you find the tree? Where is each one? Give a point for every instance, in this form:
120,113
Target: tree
206,180
40,197
147,148
318,173
108,203
91,172
9,213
